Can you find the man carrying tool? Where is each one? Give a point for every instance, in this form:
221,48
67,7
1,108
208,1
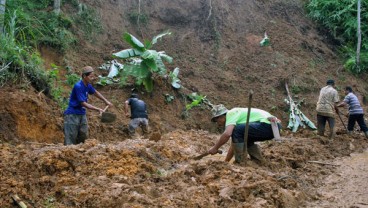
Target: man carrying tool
326,108
138,114
355,111
234,120
75,119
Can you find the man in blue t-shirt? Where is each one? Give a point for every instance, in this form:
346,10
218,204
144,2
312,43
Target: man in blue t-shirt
138,114
356,113
75,119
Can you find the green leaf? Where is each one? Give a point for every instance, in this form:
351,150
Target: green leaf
137,71
134,42
147,44
197,100
150,64
169,98
150,54
175,81
127,53
161,67
176,72
165,57
157,37
148,84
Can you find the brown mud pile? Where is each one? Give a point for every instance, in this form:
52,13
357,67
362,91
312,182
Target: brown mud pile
143,173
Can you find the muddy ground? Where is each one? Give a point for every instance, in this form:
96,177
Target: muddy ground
158,170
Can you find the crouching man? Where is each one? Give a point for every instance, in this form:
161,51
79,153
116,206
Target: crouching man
234,120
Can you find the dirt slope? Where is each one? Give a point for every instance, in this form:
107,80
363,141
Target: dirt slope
216,45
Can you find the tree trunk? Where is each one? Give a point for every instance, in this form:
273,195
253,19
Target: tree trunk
359,33
57,4
2,13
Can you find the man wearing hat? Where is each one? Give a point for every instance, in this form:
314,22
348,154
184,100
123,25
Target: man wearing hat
234,121
75,119
326,108
138,114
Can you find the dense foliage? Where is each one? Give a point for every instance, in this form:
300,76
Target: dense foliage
339,17
29,24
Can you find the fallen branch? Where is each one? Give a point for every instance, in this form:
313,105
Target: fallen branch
210,12
18,201
37,143
322,163
5,67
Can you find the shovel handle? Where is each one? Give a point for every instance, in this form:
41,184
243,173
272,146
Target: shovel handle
106,108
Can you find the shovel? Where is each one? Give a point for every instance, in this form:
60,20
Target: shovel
204,155
342,122
107,117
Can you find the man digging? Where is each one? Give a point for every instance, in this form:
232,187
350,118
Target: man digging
234,121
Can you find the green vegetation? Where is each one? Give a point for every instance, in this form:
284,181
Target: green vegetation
196,99
40,26
143,18
169,98
142,63
19,62
175,81
340,19
57,91
29,24
89,20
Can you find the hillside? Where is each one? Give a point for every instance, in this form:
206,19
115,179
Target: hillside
216,46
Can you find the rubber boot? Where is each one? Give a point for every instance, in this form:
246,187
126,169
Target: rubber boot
366,134
238,152
255,153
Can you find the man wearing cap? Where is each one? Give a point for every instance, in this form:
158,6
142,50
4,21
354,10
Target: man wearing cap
75,119
138,114
234,121
326,108
356,113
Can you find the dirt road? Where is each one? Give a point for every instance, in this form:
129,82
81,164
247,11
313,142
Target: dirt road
347,186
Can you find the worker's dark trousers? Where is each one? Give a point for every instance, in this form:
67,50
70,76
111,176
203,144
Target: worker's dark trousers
321,124
257,132
358,118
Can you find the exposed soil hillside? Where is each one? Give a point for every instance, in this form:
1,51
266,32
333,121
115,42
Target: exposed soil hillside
216,46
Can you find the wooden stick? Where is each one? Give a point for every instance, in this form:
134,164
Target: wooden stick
46,144
322,163
246,131
18,201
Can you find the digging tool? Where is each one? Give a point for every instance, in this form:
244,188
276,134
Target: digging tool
245,150
205,154
107,117
342,122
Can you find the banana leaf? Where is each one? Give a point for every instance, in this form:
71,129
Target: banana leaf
296,116
134,42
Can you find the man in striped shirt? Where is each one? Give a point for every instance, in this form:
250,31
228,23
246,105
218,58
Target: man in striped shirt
355,111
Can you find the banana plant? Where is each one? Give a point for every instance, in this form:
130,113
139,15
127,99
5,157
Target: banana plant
143,63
